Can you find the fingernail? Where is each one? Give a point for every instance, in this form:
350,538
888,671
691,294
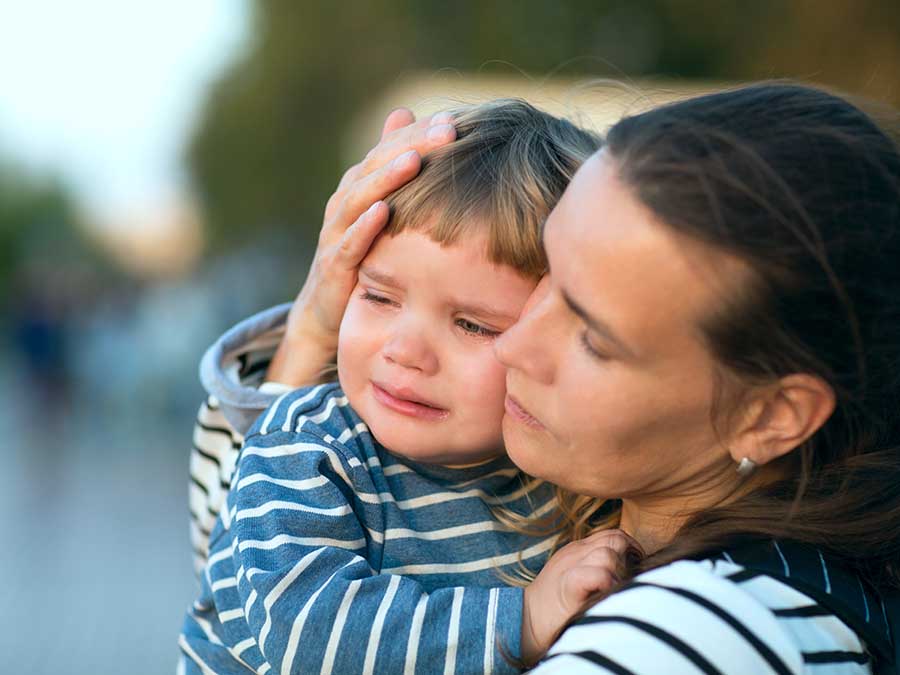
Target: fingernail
404,159
442,117
439,132
372,209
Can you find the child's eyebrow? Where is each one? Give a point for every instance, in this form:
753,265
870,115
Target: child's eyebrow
379,277
483,309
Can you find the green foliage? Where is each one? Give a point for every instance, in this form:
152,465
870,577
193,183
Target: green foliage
266,157
40,239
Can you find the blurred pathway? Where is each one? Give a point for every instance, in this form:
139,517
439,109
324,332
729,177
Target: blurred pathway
96,560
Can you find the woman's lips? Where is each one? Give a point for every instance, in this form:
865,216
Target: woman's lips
412,407
518,413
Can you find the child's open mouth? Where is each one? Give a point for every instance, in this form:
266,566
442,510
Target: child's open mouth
407,403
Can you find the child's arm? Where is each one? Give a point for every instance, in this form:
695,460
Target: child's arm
304,532
569,583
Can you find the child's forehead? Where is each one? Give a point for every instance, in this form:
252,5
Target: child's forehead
461,270
410,246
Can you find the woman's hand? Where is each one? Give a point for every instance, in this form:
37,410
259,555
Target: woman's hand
568,584
354,215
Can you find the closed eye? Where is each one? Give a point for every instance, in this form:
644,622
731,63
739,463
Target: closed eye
368,296
591,349
476,329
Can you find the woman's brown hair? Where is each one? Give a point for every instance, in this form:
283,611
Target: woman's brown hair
804,188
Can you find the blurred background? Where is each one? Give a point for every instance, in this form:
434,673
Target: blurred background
163,168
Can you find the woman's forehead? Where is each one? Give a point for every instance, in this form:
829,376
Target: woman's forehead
610,254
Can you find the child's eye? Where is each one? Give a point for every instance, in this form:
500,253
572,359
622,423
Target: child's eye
368,296
475,329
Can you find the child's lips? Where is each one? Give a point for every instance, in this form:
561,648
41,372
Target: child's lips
407,402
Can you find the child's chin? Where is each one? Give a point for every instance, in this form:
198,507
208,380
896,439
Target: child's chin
406,445
428,451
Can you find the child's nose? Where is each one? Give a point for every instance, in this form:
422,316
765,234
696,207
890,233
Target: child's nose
409,348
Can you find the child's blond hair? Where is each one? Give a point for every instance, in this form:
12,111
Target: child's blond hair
507,169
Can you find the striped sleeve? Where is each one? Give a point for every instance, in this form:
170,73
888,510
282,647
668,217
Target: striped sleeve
304,537
679,619
213,455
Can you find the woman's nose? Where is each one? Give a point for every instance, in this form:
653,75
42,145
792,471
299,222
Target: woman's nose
409,348
529,344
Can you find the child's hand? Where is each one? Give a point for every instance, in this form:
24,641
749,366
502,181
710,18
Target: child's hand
568,584
354,215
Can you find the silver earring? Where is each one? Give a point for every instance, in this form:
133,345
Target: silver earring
745,467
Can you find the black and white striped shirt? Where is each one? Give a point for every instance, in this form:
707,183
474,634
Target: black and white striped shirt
711,616
213,456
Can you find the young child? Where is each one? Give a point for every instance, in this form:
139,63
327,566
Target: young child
365,529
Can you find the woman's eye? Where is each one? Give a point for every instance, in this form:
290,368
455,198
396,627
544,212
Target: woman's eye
368,296
590,349
475,329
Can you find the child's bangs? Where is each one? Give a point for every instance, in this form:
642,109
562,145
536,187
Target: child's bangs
448,206
500,178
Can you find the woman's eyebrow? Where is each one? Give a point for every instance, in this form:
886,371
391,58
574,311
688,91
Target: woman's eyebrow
379,276
596,324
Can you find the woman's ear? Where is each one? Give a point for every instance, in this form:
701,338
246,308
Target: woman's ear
781,417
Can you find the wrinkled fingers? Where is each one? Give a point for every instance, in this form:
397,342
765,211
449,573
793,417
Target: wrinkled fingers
423,137
364,192
358,238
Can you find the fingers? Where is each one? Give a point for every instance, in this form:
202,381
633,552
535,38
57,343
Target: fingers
401,134
423,137
389,165
359,237
376,186
605,559
585,582
397,119
599,571
617,540
606,549
392,163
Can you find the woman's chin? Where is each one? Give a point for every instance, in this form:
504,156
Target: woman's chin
526,446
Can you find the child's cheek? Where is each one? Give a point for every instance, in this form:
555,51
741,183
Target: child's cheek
486,388
352,343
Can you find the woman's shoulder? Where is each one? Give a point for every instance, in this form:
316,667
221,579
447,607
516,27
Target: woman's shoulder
705,616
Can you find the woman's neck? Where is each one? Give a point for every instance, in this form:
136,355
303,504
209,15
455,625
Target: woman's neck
652,528
655,521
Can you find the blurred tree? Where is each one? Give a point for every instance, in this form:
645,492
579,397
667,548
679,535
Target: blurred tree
265,156
41,243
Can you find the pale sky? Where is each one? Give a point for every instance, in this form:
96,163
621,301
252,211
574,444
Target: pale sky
105,92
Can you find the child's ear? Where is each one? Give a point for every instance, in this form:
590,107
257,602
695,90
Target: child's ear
781,417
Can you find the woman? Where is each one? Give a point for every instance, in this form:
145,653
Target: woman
712,365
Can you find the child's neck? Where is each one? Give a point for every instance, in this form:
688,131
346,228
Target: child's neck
471,465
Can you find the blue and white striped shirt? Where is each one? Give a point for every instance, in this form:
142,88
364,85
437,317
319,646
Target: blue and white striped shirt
333,555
